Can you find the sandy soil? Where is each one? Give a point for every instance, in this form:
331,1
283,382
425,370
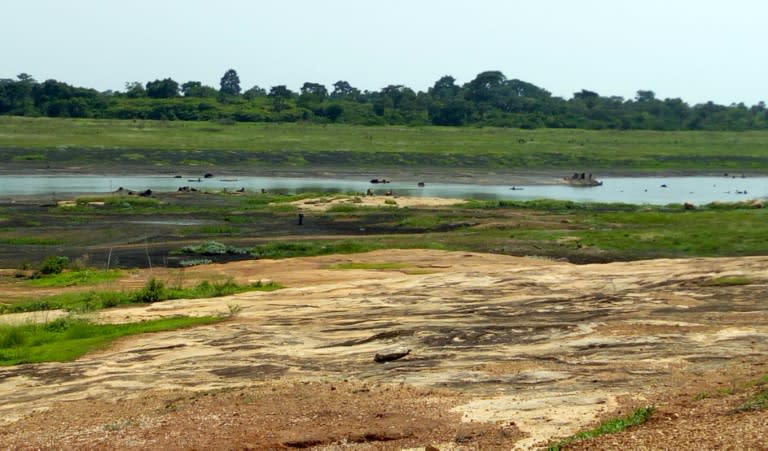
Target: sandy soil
506,353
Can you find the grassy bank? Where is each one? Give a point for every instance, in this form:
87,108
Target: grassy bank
68,338
153,291
53,142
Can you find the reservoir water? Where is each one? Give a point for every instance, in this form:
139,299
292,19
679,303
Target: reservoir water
636,190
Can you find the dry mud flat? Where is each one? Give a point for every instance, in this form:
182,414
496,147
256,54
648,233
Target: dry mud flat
506,353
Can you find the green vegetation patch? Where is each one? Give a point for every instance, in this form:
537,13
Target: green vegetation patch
288,249
68,338
213,230
31,241
758,401
74,278
153,291
262,145
639,416
118,203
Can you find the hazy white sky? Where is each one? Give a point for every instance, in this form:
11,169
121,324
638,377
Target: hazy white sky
698,50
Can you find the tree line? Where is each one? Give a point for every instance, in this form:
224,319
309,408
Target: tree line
490,99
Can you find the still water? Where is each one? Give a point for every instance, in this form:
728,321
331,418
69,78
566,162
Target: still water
637,190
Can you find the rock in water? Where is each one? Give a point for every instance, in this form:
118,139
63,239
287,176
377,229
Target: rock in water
390,356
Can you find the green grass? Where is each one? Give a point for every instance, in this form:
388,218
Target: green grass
639,416
68,338
308,145
31,241
422,221
213,230
309,248
153,291
759,400
74,278
655,233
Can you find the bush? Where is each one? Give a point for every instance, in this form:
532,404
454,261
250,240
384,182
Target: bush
54,264
153,291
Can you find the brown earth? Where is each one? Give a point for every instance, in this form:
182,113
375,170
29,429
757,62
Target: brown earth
506,353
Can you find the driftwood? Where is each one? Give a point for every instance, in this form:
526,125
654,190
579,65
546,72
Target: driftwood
390,356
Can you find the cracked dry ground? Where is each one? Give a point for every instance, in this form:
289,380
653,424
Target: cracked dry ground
507,353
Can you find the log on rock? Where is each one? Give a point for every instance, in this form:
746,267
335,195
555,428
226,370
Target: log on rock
390,356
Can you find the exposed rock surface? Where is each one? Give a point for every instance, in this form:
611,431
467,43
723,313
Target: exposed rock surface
506,352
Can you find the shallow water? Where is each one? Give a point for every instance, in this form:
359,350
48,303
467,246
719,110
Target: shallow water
637,190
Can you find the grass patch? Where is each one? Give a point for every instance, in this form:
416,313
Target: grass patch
301,144
68,338
74,278
758,401
639,416
214,230
288,249
153,291
728,281
118,202
31,241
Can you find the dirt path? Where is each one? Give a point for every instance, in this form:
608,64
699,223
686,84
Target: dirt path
505,352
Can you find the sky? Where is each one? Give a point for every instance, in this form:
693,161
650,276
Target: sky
696,50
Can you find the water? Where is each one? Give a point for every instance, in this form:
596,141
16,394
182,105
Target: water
636,190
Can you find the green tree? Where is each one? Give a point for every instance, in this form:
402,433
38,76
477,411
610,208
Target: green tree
333,112
444,89
230,83
162,89
454,113
255,92
279,95
197,89
485,86
312,96
135,90
343,90
645,96
17,95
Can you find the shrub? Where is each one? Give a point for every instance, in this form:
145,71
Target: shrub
54,264
153,291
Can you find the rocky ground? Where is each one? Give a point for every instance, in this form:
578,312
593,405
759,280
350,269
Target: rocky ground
505,353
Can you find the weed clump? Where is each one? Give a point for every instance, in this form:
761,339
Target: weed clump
53,264
639,416
153,291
